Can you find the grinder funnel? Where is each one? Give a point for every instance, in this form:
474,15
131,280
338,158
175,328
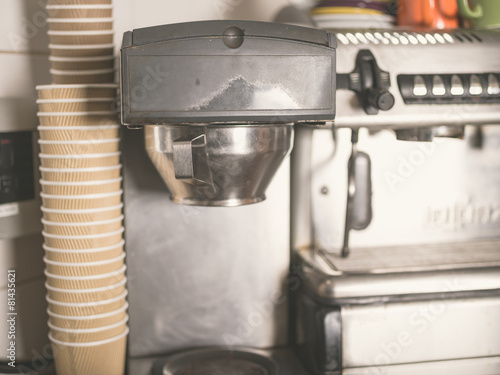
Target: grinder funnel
218,165
218,100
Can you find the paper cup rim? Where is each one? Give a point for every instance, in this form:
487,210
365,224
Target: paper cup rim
80,170
93,290
90,344
83,196
83,251
79,142
81,46
89,317
79,156
89,330
85,264
83,224
74,100
81,59
86,113
81,183
88,277
81,72
88,304
79,6
81,211
99,235
78,86
80,32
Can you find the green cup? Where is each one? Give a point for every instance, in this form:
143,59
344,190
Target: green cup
483,14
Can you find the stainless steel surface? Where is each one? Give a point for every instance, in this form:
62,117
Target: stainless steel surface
202,276
285,358
428,134
476,366
214,361
390,273
423,193
400,52
374,336
218,165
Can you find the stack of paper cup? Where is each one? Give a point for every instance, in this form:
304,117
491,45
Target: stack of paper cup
81,41
82,220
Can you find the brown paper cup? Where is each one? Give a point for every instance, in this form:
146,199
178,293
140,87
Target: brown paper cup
86,146
82,63
81,187
85,268
81,174
81,50
86,295
77,118
84,215
88,308
83,76
76,91
80,161
77,2
88,334
85,322
81,202
82,24
77,105
81,37
80,11
78,133
85,282
105,357
83,255
83,242
82,229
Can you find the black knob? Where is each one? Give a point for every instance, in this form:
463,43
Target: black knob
380,99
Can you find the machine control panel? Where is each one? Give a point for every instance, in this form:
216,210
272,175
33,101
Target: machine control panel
16,167
450,88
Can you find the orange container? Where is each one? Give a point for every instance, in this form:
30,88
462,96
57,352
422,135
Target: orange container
435,14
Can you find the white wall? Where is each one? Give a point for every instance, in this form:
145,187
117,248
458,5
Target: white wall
24,43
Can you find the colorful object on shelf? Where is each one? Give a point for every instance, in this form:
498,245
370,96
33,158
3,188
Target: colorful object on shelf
436,14
481,13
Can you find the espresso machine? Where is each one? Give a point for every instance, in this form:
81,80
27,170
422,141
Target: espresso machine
373,249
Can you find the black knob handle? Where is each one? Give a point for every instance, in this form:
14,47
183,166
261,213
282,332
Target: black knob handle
380,99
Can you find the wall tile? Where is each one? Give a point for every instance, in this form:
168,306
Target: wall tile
25,27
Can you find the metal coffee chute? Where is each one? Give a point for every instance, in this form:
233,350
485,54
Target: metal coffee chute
218,101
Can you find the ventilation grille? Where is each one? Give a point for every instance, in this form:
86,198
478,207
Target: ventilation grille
406,38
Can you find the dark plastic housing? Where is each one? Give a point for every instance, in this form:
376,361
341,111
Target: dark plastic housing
227,72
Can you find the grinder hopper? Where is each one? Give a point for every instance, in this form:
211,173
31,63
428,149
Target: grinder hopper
218,100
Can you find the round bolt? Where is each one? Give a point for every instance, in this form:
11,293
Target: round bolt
233,37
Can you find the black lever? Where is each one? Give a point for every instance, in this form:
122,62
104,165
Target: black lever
370,83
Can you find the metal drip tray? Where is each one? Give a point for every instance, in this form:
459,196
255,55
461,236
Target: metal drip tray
217,362
417,258
403,273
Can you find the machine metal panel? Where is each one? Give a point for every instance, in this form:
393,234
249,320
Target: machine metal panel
419,53
438,192
443,329
202,276
476,366
365,278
